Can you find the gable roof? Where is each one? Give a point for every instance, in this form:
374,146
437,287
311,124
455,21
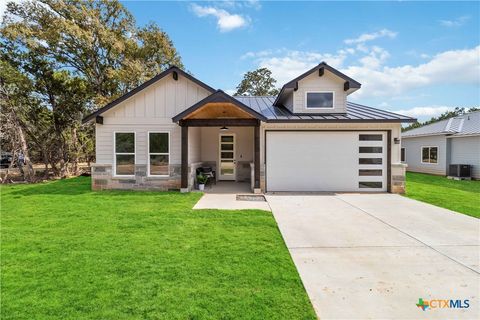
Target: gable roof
466,124
144,85
219,96
293,83
355,112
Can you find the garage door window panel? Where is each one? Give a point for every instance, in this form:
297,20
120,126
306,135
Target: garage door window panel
370,184
370,161
370,137
370,149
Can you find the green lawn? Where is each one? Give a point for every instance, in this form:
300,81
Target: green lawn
461,196
70,253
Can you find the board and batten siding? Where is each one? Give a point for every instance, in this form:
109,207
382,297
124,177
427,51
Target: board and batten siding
413,147
151,109
313,82
466,150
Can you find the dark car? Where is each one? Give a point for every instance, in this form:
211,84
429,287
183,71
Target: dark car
5,160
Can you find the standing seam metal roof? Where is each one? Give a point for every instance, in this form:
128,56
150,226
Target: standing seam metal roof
355,112
466,124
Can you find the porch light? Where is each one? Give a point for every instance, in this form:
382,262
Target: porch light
223,128
396,140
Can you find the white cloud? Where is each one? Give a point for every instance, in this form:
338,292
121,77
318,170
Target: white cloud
449,67
225,21
376,57
288,64
419,112
458,22
372,36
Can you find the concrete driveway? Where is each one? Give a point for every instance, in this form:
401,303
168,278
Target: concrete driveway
372,256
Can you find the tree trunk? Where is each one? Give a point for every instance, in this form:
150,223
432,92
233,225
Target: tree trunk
27,172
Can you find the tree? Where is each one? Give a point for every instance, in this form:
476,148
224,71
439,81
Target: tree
78,56
257,83
446,115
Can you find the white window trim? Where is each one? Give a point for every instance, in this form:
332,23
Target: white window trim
421,154
405,153
321,108
157,153
127,153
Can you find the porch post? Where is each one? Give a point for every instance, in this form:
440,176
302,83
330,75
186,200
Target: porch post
256,160
184,169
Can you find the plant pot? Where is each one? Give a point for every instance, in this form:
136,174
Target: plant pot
201,187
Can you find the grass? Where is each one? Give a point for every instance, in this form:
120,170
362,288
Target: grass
462,196
70,253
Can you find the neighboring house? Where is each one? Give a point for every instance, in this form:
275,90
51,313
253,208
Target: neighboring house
308,138
432,148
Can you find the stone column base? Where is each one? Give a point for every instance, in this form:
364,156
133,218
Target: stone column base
398,178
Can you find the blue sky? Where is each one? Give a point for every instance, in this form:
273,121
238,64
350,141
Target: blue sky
417,58
420,58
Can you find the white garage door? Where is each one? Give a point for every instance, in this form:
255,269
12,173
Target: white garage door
326,161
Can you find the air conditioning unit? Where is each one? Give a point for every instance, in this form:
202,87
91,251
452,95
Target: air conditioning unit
460,170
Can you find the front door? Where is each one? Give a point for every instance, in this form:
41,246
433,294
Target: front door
227,156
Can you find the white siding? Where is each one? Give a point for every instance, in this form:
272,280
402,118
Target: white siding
194,144
413,148
151,110
327,82
466,150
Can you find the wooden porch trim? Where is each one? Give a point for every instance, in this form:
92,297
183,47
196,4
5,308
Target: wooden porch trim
219,122
256,159
184,169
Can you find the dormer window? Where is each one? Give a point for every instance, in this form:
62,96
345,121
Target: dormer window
319,99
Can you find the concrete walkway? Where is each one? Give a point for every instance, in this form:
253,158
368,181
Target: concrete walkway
372,256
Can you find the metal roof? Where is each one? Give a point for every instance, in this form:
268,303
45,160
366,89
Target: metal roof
355,112
467,124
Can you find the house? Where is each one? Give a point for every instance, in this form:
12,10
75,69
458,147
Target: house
308,138
432,148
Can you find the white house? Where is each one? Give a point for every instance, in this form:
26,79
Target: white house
432,148
308,138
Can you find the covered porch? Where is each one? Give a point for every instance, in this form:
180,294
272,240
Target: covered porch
221,134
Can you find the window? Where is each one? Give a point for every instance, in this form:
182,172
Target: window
370,184
124,153
158,154
429,154
370,172
402,155
370,149
319,100
370,137
370,161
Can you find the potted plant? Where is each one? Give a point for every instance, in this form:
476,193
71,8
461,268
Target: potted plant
201,180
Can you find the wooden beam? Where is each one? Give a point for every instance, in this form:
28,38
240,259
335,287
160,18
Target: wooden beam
256,160
184,169
321,71
175,75
346,86
389,161
296,86
219,122
99,119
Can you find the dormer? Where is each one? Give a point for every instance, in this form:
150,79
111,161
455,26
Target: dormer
322,89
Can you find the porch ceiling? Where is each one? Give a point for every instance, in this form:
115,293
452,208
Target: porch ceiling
219,110
217,106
